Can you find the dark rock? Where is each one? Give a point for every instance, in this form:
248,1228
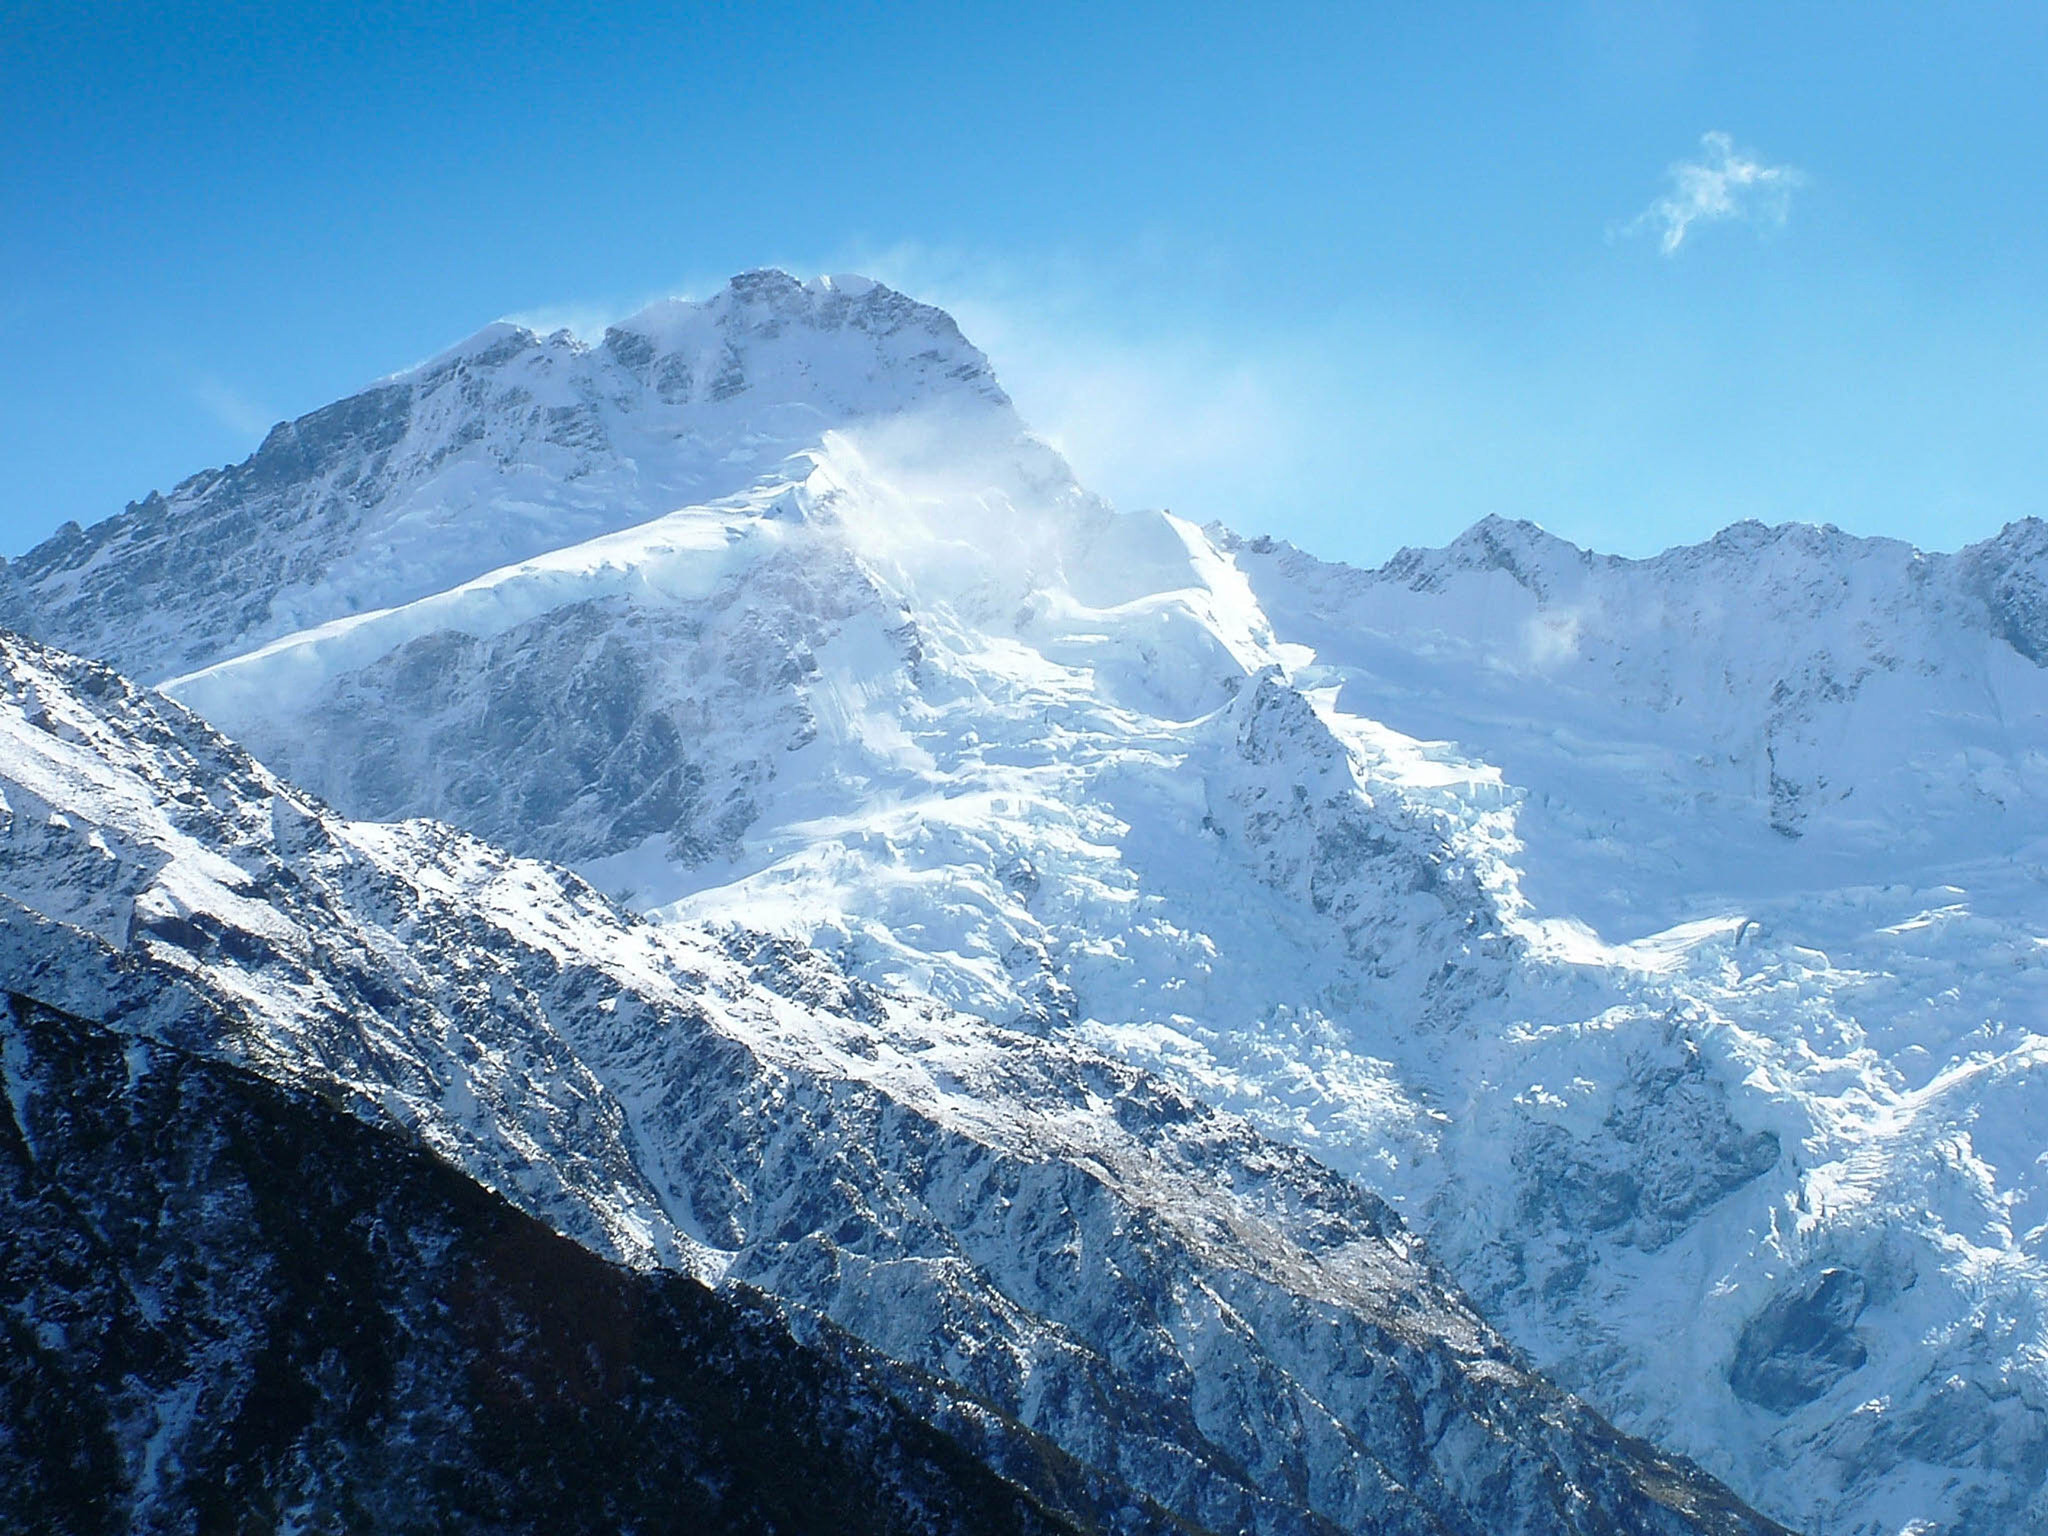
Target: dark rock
1801,1344
229,1306
1667,1150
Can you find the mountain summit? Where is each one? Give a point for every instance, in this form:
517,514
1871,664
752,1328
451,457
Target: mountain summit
505,446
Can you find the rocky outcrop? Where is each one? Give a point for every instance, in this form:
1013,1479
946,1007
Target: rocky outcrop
1802,1343
228,1306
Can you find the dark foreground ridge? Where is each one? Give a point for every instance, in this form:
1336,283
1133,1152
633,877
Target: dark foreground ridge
229,1306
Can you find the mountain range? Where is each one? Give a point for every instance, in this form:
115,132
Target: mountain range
1171,1028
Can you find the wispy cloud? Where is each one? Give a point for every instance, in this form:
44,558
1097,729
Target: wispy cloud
586,321
231,408
1723,184
1148,409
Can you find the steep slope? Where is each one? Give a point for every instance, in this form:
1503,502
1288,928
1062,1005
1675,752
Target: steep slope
1662,937
229,1306
1046,1242
505,447
1794,780
1054,766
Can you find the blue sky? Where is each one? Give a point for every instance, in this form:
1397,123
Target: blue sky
1356,275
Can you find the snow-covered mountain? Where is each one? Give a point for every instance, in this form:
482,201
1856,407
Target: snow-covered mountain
507,446
1132,1305
1787,788
1664,938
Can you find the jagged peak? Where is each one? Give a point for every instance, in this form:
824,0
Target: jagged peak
754,307
1535,557
494,344
766,302
770,291
1526,551
763,302
1494,536
2022,540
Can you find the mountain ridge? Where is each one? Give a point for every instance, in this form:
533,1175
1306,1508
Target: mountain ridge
382,1343
605,436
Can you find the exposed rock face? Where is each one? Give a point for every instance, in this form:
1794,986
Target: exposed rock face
578,735
231,1306
1665,1152
1802,1343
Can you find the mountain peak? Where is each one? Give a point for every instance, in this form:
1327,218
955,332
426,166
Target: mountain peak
1494,535
496,343
831,326
1749,538
1526,551
503,447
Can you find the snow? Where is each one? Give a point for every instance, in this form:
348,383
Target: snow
1655,934
676,558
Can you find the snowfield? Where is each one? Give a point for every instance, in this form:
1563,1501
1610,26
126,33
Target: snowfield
1666,940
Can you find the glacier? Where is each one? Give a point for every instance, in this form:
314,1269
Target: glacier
1663,939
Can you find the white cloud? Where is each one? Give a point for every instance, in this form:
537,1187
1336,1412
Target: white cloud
586,322
232,409
1723,184
1149,410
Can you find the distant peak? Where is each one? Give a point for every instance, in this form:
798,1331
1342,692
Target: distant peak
1493,529
1750,542
2023,539
1749,534
1513,544
1526,551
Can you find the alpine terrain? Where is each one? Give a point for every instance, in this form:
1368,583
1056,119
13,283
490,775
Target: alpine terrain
967,1279
1128,998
